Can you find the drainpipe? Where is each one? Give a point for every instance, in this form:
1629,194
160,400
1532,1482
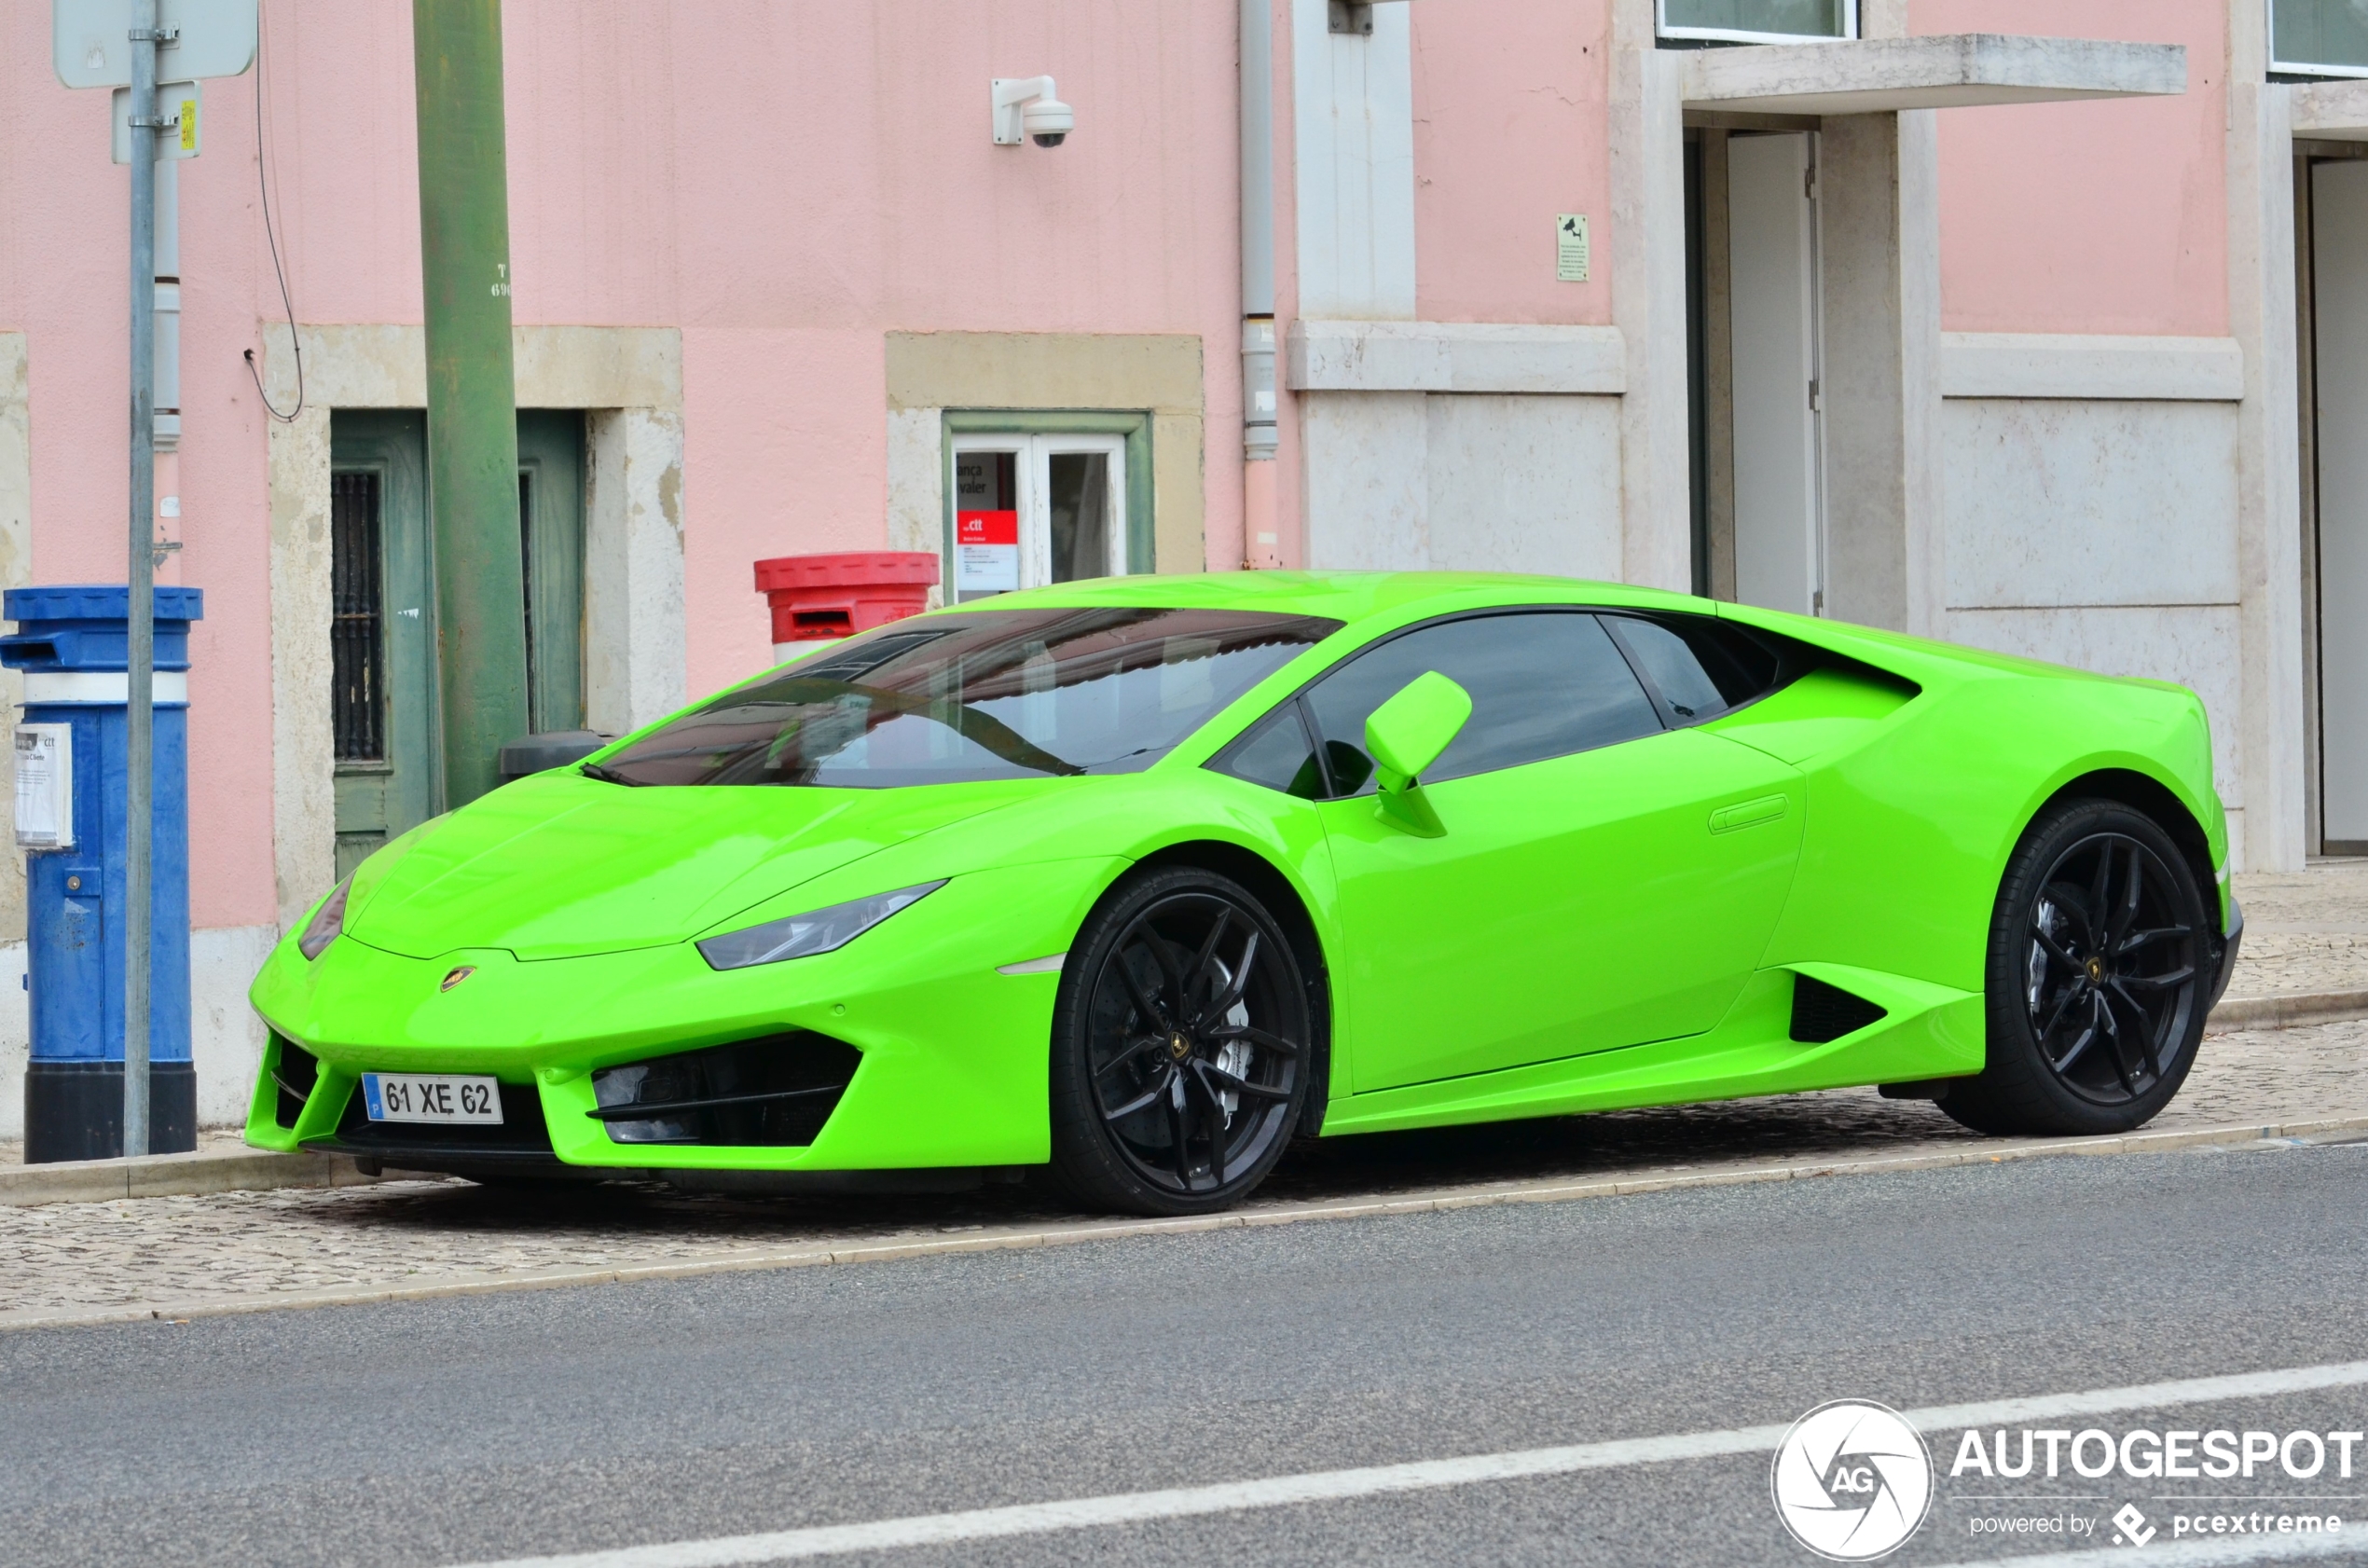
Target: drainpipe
473,421
1259,528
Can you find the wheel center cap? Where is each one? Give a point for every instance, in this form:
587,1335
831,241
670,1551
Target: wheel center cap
1178,1047
2097,970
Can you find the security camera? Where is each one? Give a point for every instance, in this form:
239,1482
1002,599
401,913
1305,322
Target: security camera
1049,120
1025,107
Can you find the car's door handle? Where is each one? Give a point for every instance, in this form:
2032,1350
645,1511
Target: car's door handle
1750,814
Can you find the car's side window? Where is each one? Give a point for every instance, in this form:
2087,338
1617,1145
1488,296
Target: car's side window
1277,754
1543,683
1697,666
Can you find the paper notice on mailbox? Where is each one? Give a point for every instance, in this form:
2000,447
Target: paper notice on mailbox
44,786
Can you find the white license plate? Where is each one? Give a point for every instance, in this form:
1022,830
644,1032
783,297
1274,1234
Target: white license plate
431,1097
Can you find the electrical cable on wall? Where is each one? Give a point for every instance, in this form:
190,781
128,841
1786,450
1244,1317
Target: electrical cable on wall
263,184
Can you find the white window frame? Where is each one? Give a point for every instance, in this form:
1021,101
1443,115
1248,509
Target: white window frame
1736,35
1031,475
2293,68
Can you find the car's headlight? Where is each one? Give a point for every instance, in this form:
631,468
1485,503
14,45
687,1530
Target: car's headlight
328,921
802,936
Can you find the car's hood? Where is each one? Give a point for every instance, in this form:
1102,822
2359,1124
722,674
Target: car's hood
560,865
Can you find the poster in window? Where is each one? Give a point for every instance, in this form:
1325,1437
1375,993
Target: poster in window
987,552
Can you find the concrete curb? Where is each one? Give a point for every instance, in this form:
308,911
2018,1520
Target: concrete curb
2287,1012
167,1176
892,1248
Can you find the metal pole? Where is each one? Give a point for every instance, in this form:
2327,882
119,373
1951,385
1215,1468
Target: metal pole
473,420
139,750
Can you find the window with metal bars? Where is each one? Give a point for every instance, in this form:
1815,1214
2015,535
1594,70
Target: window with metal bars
357,645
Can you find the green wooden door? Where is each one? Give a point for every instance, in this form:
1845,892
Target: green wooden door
383,638
383,632
551,538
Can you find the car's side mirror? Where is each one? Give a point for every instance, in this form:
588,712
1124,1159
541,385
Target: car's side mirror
1406,735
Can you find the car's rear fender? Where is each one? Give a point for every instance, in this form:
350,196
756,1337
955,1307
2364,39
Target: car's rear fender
1947,787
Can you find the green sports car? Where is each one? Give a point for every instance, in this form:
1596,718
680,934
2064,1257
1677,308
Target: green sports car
1130,882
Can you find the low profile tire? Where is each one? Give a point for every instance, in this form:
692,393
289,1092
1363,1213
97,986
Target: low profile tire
1181,1045
2099,978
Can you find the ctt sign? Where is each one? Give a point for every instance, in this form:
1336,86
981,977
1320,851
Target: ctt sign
90,40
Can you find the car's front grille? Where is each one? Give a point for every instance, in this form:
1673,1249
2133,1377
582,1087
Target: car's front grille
773,1092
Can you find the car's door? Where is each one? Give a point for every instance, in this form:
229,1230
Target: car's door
1607,875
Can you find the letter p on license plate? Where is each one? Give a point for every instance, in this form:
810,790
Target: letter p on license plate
431,1097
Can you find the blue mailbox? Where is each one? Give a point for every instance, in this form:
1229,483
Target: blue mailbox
71,773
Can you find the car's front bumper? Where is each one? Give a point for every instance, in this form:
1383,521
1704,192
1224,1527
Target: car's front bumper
954,1054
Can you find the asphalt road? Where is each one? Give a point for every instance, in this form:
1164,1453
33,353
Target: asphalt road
572,1421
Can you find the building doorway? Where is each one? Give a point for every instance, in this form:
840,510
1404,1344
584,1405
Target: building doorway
1758,412
2335,290
383,676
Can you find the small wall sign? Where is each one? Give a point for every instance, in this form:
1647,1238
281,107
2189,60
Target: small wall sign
1570,248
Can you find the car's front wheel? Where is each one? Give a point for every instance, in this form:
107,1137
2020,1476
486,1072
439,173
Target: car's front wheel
1181,1047
2099,964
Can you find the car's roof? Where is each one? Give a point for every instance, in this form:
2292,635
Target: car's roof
1341,596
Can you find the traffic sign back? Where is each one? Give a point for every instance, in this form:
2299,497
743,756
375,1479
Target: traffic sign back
90,40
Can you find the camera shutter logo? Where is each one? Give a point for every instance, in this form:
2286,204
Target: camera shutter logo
1853,1480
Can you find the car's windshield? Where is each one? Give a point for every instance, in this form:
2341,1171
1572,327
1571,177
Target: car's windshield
1009,694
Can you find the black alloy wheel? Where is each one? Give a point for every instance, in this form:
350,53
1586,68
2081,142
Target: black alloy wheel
1182,1046
2101,957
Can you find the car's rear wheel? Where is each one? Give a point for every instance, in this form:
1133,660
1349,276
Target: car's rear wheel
2099,977
1181,1047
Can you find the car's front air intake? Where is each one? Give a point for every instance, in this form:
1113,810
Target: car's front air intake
777,1091
294,1072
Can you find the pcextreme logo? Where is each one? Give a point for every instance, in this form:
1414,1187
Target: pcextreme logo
1853,1480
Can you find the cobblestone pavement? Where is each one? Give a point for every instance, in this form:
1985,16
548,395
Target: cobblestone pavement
2305,930
188,1250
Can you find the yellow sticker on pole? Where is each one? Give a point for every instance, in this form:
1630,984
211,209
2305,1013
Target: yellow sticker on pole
188,125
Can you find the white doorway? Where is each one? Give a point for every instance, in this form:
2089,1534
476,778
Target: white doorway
1773,294
2339,297
1032,510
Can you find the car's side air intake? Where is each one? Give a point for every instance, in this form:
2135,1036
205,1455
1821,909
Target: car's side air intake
1823,1013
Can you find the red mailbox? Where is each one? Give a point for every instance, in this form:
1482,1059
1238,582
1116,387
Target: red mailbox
815,598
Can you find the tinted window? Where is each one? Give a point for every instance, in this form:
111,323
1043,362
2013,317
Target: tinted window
1277,754
1542,685
978,694
1699,667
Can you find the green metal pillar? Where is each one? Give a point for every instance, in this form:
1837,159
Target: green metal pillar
473,433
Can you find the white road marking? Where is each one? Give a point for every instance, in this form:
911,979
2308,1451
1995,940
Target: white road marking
1331,1486
2215,1553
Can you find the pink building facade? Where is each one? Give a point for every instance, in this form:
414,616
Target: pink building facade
2009,322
